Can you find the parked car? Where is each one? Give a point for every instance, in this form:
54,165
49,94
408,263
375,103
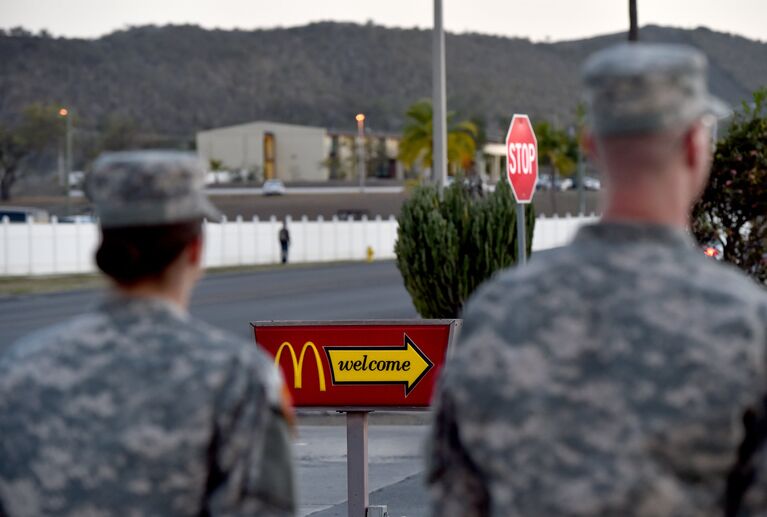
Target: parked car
472,183
715,250
20,214
79,218
589,183
564,184
544,182
273,188
350,214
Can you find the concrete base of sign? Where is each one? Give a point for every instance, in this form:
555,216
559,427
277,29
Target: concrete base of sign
378,511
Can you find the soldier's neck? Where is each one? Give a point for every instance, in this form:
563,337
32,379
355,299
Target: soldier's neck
174,294
637,206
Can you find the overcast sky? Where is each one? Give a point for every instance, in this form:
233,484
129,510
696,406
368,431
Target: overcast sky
535,19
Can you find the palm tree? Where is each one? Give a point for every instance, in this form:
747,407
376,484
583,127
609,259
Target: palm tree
557,149
633,23
416,146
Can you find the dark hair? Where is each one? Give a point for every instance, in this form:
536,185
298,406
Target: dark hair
134,253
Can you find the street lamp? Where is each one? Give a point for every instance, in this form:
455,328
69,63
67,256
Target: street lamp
64,178
360,118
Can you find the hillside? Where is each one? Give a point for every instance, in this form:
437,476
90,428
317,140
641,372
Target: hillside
174,80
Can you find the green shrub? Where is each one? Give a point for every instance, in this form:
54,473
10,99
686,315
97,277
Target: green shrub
732,213
446,249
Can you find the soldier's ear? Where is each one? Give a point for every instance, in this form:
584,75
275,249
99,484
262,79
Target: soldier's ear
697,156
194,251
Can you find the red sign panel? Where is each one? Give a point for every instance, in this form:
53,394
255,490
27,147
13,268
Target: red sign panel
375,364
522,158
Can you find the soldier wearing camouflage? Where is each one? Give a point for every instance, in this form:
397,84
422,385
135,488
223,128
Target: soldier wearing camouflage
607,377
135,408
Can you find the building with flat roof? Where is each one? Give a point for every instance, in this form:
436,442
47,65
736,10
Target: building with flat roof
269,150
295,153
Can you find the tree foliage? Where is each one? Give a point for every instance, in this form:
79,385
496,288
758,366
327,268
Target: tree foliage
40,127
733,209
557,148
416,146
446,249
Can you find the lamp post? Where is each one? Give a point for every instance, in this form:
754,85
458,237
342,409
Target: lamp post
360,118
64,179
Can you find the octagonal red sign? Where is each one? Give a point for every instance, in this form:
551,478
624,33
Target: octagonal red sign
522,158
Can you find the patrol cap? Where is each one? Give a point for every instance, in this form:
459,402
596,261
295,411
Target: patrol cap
145,188
646,88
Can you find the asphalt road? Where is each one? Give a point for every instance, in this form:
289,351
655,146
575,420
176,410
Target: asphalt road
232,300
395,456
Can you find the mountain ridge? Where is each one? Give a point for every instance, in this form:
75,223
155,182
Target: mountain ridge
178,79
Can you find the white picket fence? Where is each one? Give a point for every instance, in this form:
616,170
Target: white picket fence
62,248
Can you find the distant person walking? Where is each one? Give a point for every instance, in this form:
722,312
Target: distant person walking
608,377
284,242
136,408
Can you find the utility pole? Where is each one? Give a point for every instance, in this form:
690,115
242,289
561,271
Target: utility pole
633,21
439,104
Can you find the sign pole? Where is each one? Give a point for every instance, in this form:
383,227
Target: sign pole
521,235
357,462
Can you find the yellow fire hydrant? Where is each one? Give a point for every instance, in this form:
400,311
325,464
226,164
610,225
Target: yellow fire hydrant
370,253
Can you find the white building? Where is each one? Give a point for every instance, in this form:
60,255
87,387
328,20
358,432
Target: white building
293,153
268,149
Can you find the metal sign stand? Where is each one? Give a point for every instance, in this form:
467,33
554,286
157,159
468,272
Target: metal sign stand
357,462
521,244
278,339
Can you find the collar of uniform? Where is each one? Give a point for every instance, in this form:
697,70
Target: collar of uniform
635,233
138,305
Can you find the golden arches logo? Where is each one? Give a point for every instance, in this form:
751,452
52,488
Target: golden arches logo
298,363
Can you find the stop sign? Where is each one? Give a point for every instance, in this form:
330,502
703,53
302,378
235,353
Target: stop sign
522,158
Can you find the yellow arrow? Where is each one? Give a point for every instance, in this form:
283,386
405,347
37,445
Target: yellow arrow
378,365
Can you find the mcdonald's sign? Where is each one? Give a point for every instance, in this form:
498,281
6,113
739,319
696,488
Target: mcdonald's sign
359,364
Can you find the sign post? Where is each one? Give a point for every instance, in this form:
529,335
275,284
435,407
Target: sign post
522,172
357,462
357,367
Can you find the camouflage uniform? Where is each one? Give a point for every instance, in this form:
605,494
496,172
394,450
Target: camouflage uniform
604,378
134,408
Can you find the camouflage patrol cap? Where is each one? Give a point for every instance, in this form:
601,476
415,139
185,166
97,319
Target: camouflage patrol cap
646,88
145,188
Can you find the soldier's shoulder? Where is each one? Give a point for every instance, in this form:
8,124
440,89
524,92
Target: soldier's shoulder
86,326
222,342
728,282
237,355
544,267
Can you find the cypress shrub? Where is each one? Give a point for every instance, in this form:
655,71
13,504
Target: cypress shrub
446,249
